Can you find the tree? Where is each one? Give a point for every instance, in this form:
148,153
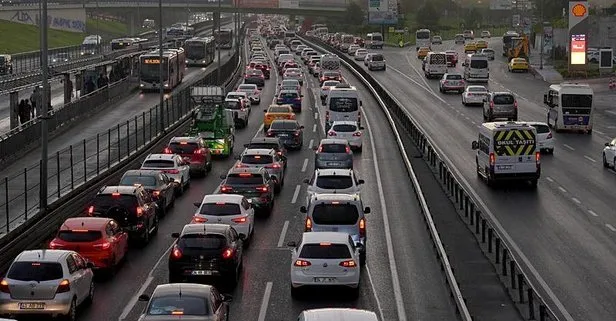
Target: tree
427,16
472,18
354,14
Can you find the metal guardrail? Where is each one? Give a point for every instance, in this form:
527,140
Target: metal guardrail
525,286
102,161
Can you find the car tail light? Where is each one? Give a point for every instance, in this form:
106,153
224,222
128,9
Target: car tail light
445,82
492,160
167,150
308,225
172,171
357,134
228,253
327,115
298,99
263,189
176,253
302,263
103,246
537,158
362,227
348,149
91,210
64,286
54,246
198,219
348,263
226,189
240,220
549,136
515,104
239,165
275,165
156,193
4,286
139,211
296,134
331,133
492,105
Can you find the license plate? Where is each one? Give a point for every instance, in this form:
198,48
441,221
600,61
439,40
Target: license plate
504,166
333,164
201,272
324,280
283,135
32,305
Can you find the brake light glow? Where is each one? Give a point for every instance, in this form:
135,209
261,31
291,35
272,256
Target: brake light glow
172,171
245,175
537,158
177,312
357,134
362,227
103,246
331,133
263,189
492,105
115,194
183,143
90,210
348,263
4,286
53,245
269,134
198,219
240,220
226,189
275,165
176,253
325,244
64,286
308,226
167,150
549,136
515,104
302,263
492,160
348,149
198,151
228,253
139,211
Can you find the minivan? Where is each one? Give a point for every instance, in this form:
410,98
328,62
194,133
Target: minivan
500,105
342,103
374,40
476,68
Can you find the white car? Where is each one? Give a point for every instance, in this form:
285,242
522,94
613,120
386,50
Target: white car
489,52
609,154
329,180
239,95
326,87
360,54
474,95
544,137
337,314
47,282
325,259
352,49
367,58
230,209
253,92
349,131
172,165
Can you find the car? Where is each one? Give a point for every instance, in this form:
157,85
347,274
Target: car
376,62
609,154
316,69
288,65
452,58
269,143
289,84
500,104
544,137
231,209
437,40
130,206
368,56
330,75
274,112
255,76
470,47
488,52
348,130
422,52
47,282
294,73
360,54
452,82
459,38
304,52
253,183
290,97
330,180
238,94
336,314
324,259
299,49
173,165
485,34
309,55
468,34
99,240
474,95
185,301
265,68
326,87
313,64
481,44
60,58
352,49
159,185
194,151
333,153
340,213
290,133
517,64
252,91
264,158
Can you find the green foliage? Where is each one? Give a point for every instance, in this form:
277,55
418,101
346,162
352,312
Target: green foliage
427,16
24,38
354,14
473,17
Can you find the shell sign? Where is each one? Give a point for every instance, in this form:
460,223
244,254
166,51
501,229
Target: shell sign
579,10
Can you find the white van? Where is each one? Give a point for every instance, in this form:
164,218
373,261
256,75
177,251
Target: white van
342,103
337,314
436,64
374,40
476,68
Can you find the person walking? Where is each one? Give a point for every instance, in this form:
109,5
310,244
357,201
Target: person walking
28,111
70,88
21,112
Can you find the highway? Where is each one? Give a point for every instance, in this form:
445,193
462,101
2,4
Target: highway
566,228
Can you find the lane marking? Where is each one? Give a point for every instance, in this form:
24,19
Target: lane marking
314,127
590,159
305,165
576,200
316,115
569,147
295,194
310,144
258,131
598,132
376,297
549,179
562,189
265,302
420,85
283,233
591,212
611,112
613,229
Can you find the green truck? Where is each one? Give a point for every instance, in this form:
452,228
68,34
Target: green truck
211,121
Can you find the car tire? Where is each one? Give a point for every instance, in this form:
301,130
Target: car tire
359,149
277,188
72,311
605,164
162,211
614,163
90,299
180,189
234,278
296,293
354,293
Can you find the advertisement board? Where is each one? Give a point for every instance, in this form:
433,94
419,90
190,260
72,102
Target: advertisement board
500,4
383,12
256,3
578,50
548,38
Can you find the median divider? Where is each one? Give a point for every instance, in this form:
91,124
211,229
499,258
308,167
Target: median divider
533,298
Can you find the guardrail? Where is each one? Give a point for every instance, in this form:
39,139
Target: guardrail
118,149
526,288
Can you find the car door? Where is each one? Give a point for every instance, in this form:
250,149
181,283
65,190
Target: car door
73,271
483,153
183,167
236,242
278,160
611,151
163,186
81,280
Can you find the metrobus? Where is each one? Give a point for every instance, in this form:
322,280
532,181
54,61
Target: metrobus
224,38
121,43
148,24
174,63
569,107
423,38
200,51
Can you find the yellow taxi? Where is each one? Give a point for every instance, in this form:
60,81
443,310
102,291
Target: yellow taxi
481,44
470,47
422,52
274,112
518,64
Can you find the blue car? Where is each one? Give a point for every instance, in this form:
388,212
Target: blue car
290,97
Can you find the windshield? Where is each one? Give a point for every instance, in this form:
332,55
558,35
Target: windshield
343,104
175,305
377,38
284,125
220,209
236,179
278,110
273,146
35,271
480,64
378,58
330,83
454,77
542,129
79,237
257,159
247,88
150,72
195,50
288,95
200,241
476,89
186,148
159,163
141,180
334,182
335,214
503,99
422,35
325,251
569,100
233,105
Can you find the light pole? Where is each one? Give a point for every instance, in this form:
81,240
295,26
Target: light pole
219,43
44,109
542,38
161,89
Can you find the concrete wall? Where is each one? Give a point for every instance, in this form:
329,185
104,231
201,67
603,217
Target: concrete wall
602,32
73,20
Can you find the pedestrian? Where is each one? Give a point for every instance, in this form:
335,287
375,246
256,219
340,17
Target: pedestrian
28,111
90,86
70,88
33,101
21,112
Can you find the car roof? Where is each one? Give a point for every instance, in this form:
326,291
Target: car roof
205,229
327,141
317,237
477,86
184,139
453,73
497,93
265,140
42,255
161,156
536,123
339,314
118,189
333,172
141,172
192,289
86,223
229,198
246,85
251,170
238,93
259,151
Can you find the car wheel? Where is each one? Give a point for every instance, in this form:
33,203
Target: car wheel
354,292
359,149
180,189
296,293
162,211
605,164
90,299
614,163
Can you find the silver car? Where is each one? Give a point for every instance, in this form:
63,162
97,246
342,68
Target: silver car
333,153
474,95
343,181
489,52
47,282
265,158
500,105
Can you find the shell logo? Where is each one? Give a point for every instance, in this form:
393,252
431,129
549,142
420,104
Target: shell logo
579,10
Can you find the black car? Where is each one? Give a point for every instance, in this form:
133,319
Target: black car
329,75
131,206
206,251
256,77
265,69
290,133
254,183
159,185
269,143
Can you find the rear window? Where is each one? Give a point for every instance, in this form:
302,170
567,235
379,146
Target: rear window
481,64
345,128
159,163
255,72
331,83
343,104
288,95
236,179
141,180
377,38
246,87
330,74
503,99
35,271
542,129
278,110
174,304
109,200
378,58
233,105
290,83
186,148
86,236
333,148
220,209
329,251
285,125
334,182
257,159
335,214
264,145
200,241
454,77
477,89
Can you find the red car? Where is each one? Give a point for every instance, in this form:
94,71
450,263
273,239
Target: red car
452,58
193,150
265,69
98,239
330,75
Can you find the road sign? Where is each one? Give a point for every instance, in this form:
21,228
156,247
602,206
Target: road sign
606,59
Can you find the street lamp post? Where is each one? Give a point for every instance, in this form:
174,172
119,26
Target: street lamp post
219,44
44,108
542,38
161,89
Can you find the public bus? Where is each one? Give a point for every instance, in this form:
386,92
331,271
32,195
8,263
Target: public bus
148,24
423,38
174,63
122,43
200,51
570,107
224,38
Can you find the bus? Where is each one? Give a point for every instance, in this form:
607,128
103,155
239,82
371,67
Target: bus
423,38
148,24
200,51
508,41
224,38
122,43
569,107
174,63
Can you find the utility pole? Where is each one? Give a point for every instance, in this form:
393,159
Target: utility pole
218,77
542,37
161,89
44,109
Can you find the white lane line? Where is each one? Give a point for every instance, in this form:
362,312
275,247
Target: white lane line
310,144
283,233
591,212
395,280
562,189
295,194
316,115
598,132
612,228
611,112
576,200
265,302
376,297
314,127
590,159
305,165
569,147
550,179
420,85
258,131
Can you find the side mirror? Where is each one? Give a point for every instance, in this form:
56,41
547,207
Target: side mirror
367,210
361,181
301,127
475,145
265,111
90,265
250,201
306,181
175,235
197,204
223,176
292,244
607,144
144,298
226,298
242,236
303,209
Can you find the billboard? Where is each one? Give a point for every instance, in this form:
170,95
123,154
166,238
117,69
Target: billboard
606,61
73,20
383,12
548,38
256,3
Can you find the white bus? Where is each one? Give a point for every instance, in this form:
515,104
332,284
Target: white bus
174,63
224,38
423,38
200,51
569,107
